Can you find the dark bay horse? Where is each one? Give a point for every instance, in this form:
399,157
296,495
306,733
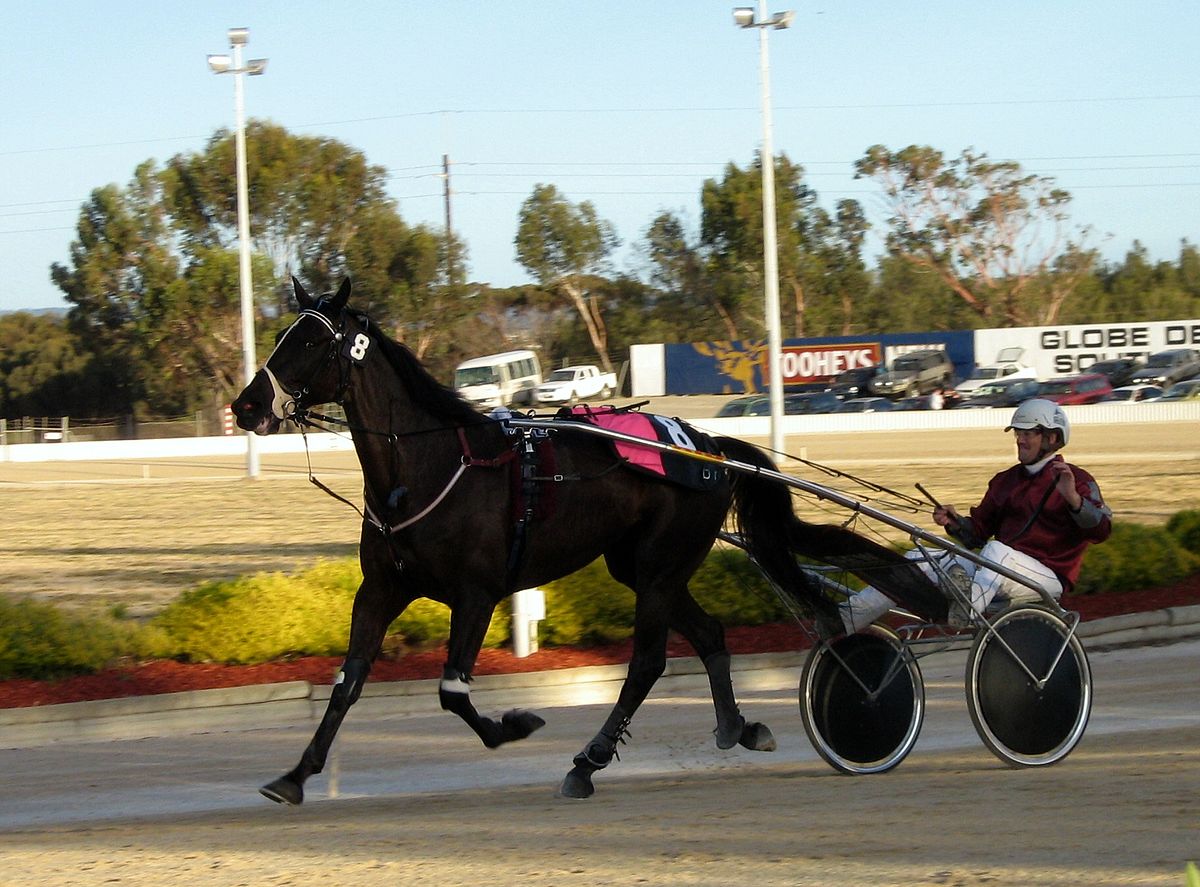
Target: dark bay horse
443,519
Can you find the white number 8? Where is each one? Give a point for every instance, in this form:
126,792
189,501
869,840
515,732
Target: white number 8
359,349
678,436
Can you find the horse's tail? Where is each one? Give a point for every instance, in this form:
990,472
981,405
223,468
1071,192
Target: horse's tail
767,525
773,536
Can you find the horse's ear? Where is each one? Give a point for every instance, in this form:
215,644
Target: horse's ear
342,296
303,299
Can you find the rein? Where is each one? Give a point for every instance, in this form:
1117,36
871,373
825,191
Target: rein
466,460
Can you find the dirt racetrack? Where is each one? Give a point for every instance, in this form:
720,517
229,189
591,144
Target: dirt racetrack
1121,810
942,822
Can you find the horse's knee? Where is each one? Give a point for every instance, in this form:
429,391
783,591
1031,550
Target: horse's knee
648,667
347,687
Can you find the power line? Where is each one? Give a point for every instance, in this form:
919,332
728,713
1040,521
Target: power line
867,106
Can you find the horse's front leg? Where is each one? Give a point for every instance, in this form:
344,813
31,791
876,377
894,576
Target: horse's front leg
382,596
469,620
648,662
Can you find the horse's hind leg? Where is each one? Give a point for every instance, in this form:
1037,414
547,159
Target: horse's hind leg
469,620
376,604
707,638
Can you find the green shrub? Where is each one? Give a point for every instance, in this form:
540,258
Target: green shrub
591,607
261,617
1185,527
271,616
732,589
588,606
274,615
1135,557
39,640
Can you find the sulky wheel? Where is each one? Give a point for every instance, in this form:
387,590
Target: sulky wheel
862,701
1029,688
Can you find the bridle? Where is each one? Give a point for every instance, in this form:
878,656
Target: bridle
287,404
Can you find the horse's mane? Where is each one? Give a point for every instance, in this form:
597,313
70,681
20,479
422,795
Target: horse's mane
443,402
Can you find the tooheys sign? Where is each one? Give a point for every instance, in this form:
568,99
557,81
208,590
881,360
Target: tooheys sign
818,363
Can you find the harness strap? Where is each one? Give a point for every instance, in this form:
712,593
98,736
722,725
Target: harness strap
396,528
504,458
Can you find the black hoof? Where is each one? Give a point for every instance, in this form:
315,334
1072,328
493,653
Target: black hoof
758,737
518,724
577,784
284,790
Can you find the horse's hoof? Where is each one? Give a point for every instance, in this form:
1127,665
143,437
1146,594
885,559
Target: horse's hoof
518,724
577,784
758,737
284,790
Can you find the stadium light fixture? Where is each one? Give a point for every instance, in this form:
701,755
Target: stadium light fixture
743,17
224,64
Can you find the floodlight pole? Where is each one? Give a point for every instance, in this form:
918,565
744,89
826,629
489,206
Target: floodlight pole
744,17
238,37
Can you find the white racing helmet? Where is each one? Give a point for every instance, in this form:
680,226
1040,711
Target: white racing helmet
1038,412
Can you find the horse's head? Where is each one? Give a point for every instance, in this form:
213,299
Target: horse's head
309,365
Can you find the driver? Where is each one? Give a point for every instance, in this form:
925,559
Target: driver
1036,519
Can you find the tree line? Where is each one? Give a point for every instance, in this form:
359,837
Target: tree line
153,325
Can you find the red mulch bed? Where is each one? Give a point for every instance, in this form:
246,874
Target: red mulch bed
167,676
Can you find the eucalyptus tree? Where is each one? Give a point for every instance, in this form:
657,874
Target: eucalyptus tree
999,237
307,196
45,371
821,271
686,297
565,246
122,255
153,271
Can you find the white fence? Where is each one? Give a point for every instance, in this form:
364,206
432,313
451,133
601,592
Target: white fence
755,426
916,420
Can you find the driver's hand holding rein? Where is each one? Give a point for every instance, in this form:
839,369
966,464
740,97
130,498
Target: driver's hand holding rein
1036,519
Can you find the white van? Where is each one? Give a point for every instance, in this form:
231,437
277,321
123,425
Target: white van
498,379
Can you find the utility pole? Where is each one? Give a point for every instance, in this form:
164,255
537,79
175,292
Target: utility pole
446,191
451,249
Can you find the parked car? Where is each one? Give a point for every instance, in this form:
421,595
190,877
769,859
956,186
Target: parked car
1165,368
1009,364
1002,393
1084,388
750,405
866,405
1186,390
1118,370
1134,394
802,402
912,373
575,383
853,383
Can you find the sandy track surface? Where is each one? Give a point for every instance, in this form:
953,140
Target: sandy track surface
422,803
1120,811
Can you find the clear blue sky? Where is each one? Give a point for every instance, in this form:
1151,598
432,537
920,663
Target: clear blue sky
628,105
